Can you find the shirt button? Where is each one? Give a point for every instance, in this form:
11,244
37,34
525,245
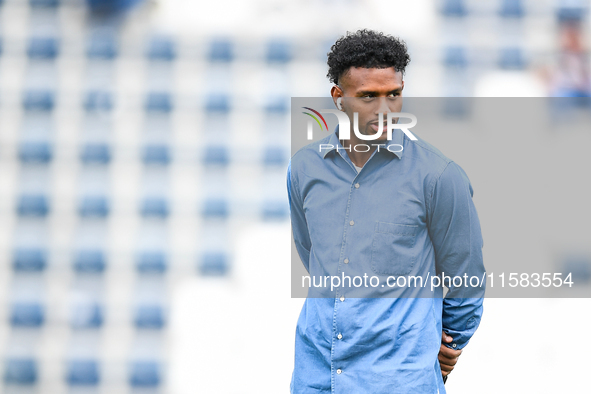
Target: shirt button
342,298
339,371
340,336
346,261
357,186
453,345
351,222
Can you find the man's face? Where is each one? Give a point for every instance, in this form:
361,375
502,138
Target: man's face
369,92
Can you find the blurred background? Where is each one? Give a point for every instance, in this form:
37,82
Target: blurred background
144,226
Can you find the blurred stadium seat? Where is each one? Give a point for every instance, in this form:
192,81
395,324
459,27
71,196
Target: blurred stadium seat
151,262
98,100
90,261
94,206
35,152
511,58
39,100
33,205
156,154
221,50
87,315
149,316
29,259
83,372
158,102
20,371
161,48
27,314
155,207
214,264
43,48
102,46
279,51
453,8
95,153
218,103
512,9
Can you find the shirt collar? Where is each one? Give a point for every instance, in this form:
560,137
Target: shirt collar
397,140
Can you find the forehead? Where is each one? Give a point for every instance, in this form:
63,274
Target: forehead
371,79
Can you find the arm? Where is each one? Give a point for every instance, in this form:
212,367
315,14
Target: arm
299,225
455,233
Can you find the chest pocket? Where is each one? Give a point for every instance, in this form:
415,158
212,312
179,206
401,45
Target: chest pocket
393,251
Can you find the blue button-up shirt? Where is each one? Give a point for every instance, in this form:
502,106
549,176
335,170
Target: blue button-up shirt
407,212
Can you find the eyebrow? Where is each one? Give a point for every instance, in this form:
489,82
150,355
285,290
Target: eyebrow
364,92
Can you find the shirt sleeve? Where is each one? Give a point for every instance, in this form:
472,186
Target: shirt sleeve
454,229
299,225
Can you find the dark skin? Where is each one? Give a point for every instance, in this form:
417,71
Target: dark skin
369,92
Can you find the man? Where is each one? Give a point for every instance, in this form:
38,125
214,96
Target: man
401,210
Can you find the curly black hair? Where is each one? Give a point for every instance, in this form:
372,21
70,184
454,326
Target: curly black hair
368,49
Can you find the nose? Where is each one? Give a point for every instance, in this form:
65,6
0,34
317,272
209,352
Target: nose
382,107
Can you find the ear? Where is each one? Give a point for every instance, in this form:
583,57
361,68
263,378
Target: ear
336,92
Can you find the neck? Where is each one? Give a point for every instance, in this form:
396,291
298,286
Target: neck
361,157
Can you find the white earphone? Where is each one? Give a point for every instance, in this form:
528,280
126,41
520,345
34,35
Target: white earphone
339,105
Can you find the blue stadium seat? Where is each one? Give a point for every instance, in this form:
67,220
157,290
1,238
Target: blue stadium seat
571,13
275,156
151,262
512,9
88,315
279,51
90,261
43,48
455,57
83,373
29,259
20,371
158,102
98,100
44,3
106,7
161,48
33,205
214,264
102,46
145,374
275,210
155,207
156,154
94,206
95,153
39,100
215,208
149,316
216,156
218,103
453,8
27,314
35,152
277,106
579,267
511,59
221,50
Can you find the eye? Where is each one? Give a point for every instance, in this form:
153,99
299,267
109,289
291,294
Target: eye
367,97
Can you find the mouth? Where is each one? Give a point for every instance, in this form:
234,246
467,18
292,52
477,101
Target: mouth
375,126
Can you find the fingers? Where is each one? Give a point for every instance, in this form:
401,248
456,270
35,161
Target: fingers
445,338
448,358
449,353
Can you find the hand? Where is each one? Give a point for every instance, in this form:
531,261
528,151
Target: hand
447,357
